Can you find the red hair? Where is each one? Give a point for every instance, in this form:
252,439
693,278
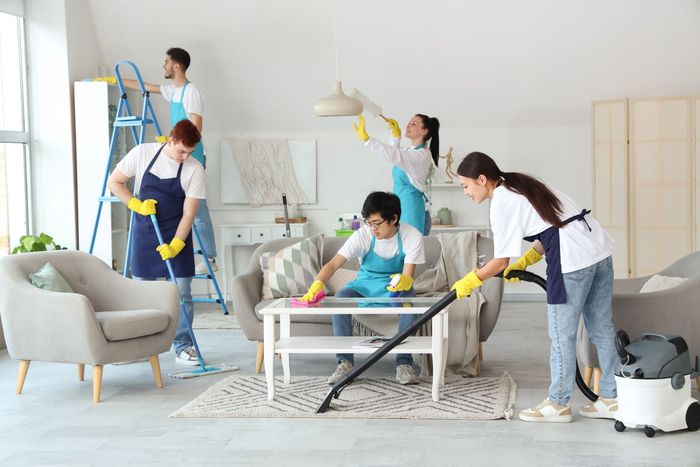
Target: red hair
185,132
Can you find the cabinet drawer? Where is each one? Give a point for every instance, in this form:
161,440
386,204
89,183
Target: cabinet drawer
261,234
279,232
237,235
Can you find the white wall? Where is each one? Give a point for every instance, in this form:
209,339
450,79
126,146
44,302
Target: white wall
513,79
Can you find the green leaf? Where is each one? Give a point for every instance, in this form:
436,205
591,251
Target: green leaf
45,239
28,242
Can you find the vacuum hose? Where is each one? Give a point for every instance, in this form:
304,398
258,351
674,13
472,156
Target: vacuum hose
535,279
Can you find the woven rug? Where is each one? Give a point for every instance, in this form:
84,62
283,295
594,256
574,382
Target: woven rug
215,319
462,398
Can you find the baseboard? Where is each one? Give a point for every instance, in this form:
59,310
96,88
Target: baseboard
525,297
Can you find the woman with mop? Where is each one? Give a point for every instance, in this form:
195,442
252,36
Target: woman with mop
579,274
413,167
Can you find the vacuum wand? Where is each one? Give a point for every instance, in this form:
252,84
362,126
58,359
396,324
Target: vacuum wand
286,216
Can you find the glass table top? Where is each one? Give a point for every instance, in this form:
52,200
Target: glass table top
360,302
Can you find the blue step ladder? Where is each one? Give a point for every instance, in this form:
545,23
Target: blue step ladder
126,119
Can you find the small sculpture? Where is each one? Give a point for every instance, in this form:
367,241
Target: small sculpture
448,166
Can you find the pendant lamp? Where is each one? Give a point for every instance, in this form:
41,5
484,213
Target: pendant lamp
337,104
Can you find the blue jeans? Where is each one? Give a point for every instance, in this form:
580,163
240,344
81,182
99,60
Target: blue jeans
182,338
342,326
202,221
428,223
588,292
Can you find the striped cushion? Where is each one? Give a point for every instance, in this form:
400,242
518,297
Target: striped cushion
291,271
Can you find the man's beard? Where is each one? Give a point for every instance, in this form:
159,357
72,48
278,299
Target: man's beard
168,75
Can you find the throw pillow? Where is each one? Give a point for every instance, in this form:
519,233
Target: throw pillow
341,277
657,282
48,278
291,271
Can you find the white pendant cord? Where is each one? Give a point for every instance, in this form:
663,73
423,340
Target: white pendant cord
335,36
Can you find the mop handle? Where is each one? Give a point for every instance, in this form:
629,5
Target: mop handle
286,216
171,271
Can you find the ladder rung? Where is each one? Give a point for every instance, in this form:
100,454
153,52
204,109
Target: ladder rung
201,276
109,199
206,300
132,121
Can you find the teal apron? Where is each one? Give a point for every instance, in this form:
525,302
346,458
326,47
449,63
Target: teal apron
412,199
374,274
177,114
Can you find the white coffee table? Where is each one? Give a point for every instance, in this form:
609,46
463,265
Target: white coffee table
436,345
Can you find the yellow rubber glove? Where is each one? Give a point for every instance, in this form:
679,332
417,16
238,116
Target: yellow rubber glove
467,284
162,139
529,258
145,208
394,127
107,79
360,128
316,287
170,251
405,283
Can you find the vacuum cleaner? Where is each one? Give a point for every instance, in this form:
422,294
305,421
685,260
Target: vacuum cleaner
334,393
653,384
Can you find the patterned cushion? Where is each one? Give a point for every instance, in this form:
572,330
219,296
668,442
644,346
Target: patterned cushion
291,271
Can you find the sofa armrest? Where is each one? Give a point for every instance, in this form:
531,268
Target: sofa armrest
50,326
245,294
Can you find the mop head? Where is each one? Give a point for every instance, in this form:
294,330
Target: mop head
367,104
207,370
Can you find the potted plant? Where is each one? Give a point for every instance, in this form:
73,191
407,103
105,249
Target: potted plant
29,243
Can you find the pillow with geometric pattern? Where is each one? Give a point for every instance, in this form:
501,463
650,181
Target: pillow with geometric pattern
291,270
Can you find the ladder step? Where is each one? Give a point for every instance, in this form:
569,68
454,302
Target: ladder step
132,121
206,300
109,199
201,276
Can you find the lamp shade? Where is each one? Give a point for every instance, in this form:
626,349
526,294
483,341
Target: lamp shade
337,104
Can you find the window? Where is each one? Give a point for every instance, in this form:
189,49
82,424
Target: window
14,134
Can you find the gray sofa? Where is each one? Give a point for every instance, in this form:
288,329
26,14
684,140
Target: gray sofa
246,291
672,311
108,319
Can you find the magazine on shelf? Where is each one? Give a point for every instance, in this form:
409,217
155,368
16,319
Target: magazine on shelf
373,342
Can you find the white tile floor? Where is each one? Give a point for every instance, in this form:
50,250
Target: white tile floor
54,421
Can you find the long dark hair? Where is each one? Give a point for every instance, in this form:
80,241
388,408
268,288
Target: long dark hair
545,202
433,126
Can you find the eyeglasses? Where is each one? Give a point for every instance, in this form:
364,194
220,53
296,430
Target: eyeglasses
373,225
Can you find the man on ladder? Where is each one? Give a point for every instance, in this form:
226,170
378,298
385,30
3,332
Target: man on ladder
186,102
170,185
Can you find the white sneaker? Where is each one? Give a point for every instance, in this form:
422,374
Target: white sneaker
406,374
201,268
187,356
601,408
547,411
341,370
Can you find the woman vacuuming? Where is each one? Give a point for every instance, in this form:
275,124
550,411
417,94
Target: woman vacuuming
413,167
579,274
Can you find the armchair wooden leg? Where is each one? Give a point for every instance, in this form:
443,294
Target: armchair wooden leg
81,372
259,357
21,375
597,374
587,375
96,382
155,366
481,351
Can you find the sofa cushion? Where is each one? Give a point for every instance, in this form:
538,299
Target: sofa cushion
48,278
658,282
339,278
130,324
291,270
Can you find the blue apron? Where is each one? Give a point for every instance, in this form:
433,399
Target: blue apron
549,238
412,199
177,114
375,271
146,262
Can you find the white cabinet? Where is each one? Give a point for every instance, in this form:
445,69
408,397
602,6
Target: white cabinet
250,235
95,110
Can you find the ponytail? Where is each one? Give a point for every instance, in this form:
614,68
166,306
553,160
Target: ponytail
545,202
432,124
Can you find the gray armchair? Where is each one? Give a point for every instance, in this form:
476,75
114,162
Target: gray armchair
672,311
246,289
108,319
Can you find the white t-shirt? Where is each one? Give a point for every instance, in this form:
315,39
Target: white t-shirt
415,162
192,101
191,178
357,245
513,218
